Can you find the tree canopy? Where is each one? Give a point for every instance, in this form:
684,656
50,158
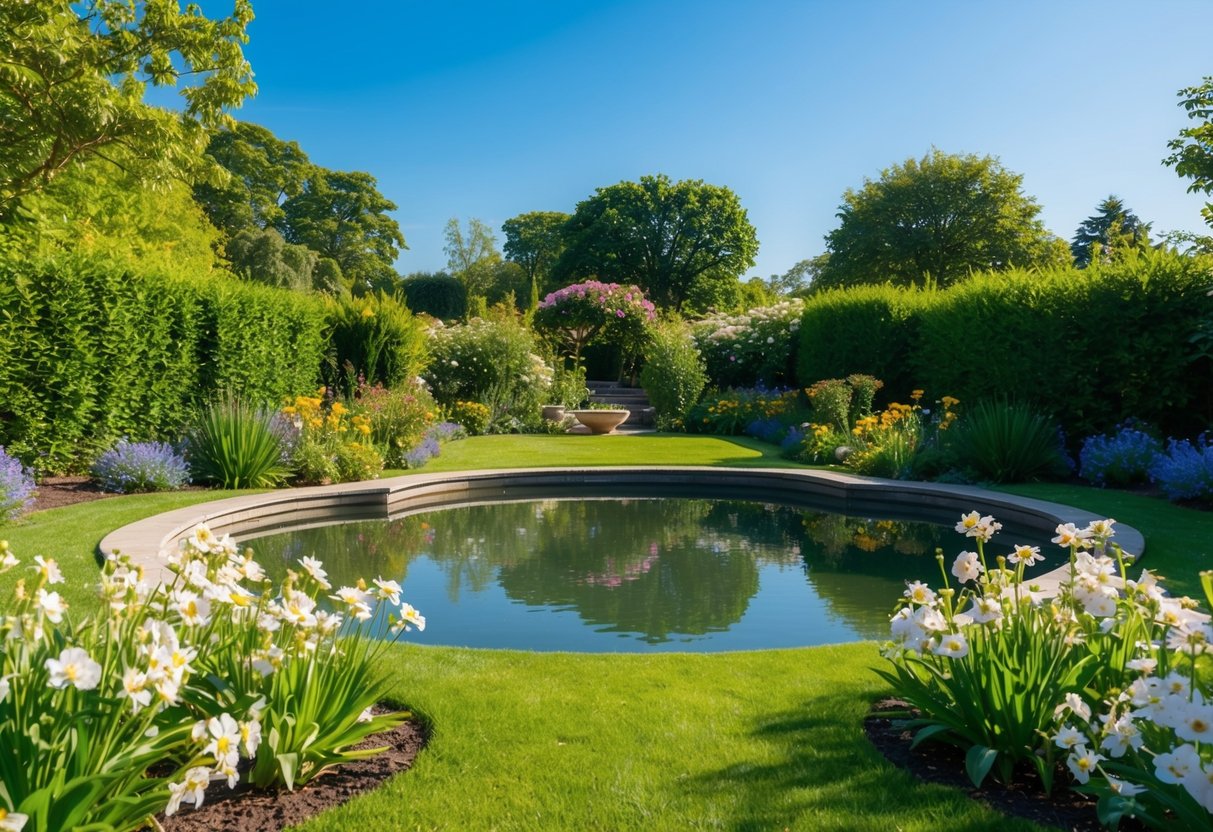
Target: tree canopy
535,241
937,218
1192,151
342,216
664,236
472,256
260,172
73,75
1111,233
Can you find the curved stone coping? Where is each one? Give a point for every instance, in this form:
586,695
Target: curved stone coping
255,514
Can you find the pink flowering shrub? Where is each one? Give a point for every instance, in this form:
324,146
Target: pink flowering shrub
594,311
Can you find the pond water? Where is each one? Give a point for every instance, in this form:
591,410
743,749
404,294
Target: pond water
635,575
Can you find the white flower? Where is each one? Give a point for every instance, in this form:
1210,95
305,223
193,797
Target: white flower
356,601
1099,530
952,645
48,569
1068,737
919,593
1068,535
5,687
250,737
134,687
1199,784
1123,787
929,618
7,562
1143,665
1195,722
299,609
225,737
194,611
366,715
51,605
316,569
985,610
74,667
1082,762
967,567
409,613
1027,555
387,590
1121,736
191,790
12,821
1175,765
1074,705
974,525
202,539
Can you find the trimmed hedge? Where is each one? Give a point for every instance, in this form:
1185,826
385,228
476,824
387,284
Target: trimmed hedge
1093,347
91,352
375,338
439,295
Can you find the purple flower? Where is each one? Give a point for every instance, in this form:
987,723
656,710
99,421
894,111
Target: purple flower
130,467
16,486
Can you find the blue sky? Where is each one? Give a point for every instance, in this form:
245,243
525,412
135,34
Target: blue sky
489,110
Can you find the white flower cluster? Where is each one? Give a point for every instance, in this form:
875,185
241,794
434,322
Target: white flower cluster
763,336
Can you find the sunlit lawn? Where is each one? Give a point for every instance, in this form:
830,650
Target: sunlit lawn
737,741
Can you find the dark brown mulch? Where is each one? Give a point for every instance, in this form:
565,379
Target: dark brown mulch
245,809
945,764
54,492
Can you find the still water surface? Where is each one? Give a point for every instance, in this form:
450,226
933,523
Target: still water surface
634,575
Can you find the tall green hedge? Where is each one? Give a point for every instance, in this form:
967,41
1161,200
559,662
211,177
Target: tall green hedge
1093,346
376,338
90,352
439,295
868,329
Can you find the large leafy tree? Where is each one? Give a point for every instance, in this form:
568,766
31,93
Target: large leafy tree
342,216
1192,151
73,75
535,241
1111,233
260,172
263,256
472,256
938,219
665,236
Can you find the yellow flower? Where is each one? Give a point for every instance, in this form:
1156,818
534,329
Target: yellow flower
916,394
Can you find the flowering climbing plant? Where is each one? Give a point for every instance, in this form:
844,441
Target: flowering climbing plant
582,313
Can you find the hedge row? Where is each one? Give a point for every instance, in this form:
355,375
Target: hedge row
1094,347
90,352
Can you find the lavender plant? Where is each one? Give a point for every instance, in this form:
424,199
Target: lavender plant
422,452
16,486
133,467
1118,460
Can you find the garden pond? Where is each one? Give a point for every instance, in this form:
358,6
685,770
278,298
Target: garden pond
636,574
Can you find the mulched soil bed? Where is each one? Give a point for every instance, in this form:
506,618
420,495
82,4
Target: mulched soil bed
54,492
945,764
244,809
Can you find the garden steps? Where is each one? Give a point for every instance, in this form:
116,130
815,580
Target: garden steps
632,399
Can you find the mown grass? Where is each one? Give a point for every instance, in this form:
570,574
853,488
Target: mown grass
734,741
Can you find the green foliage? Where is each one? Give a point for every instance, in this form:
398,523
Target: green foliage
472,256
535,241
830,403
237,445
437,294
665,236
399,417
259,172
99,208
72,78
373,338
342,216
1109,235
867,329
1008,441
568,384
1192,151
937,219
264,256
91,352
595,312
674,375
730,412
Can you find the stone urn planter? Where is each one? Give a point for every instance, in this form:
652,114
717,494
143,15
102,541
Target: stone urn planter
600,421
553,412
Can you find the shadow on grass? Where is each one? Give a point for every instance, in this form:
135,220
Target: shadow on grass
822,773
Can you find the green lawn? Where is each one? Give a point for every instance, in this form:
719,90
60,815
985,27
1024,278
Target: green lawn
735,741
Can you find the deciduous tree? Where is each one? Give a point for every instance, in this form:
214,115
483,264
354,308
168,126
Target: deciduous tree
1192,151
664,236
472,256
535,241
73,75
938,219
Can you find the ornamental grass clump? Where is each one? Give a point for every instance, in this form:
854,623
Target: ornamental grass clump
1005,441
237,445
16,486
133,467
1121,459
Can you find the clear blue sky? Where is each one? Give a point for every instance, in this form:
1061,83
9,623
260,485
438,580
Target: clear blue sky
489,110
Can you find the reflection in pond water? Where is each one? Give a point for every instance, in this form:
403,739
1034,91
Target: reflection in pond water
633,574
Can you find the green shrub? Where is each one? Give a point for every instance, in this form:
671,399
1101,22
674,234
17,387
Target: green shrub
830,403
568,384
439,295
471,416
333,444
373,339
399,417
237,445
493,363
674,374
757,347
91,352
1006,441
